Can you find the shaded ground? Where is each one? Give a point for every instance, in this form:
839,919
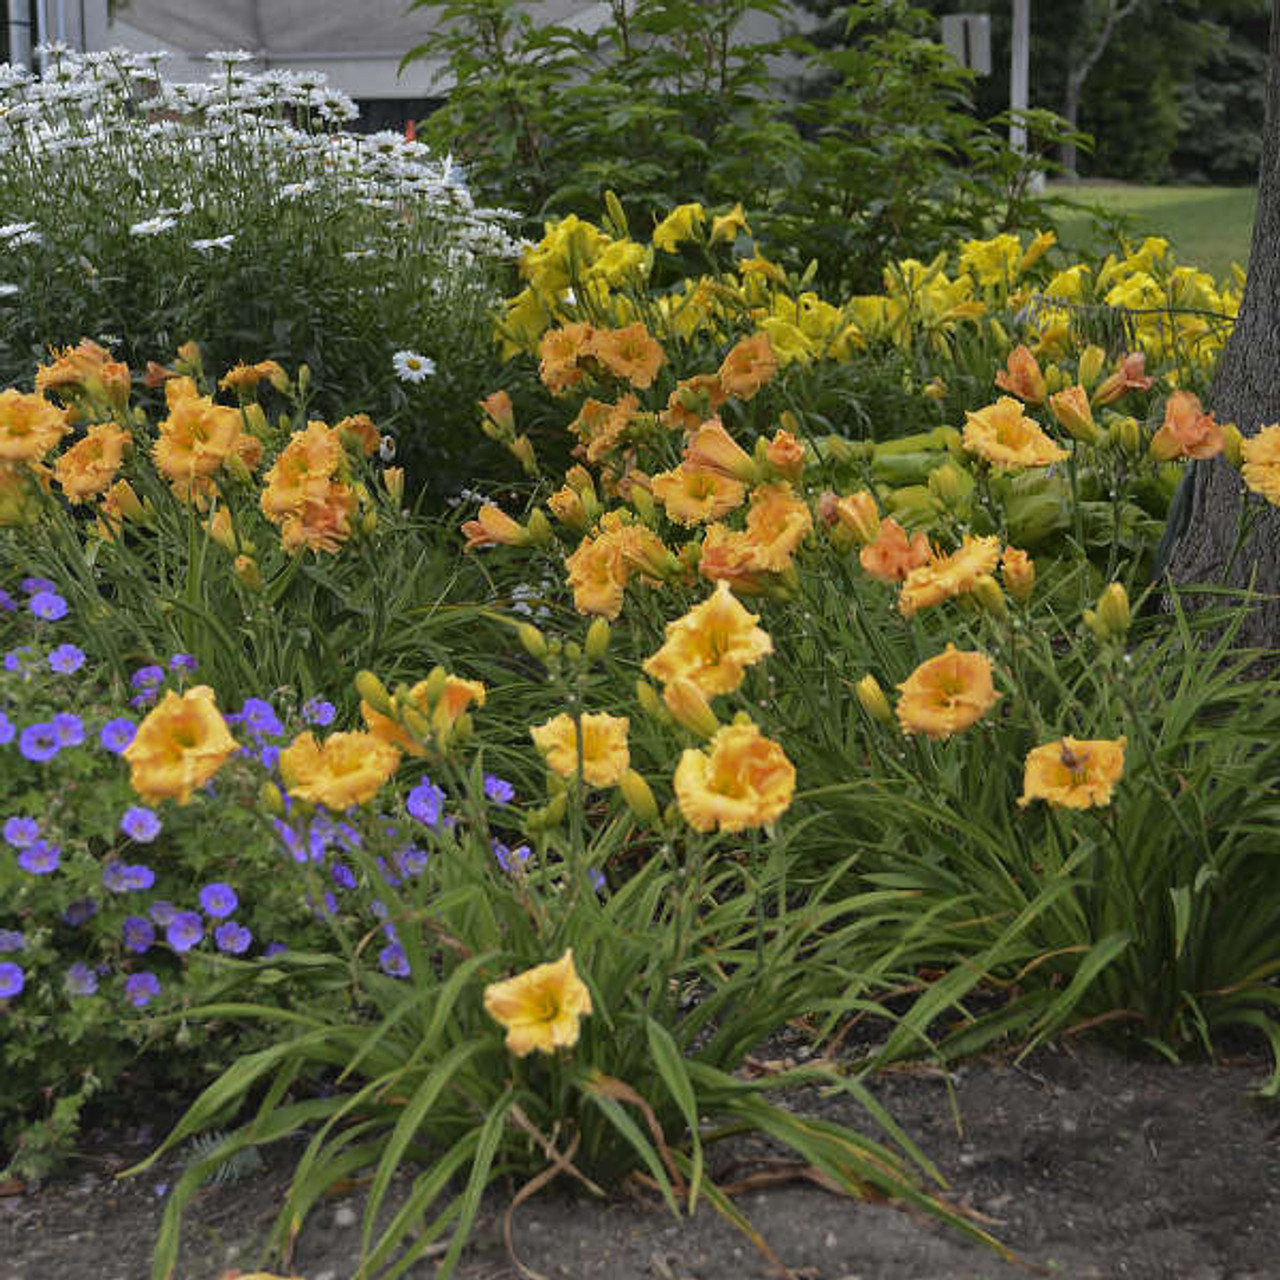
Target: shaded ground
1092,1166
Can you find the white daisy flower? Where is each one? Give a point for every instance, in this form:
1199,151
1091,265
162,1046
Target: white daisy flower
153,226
412,367
229,57
9,290
214,242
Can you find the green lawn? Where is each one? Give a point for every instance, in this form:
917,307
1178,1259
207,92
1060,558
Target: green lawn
1209,227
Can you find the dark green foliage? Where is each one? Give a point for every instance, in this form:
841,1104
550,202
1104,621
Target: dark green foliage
847,155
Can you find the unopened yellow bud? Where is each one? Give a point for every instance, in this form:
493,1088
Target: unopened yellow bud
393,479
986,591
689,705
572,650
539,529
597,643
1019,573
1126,436
1113,609
651,703
639,797
617,216
374,692
434,685
1092,361
256,420
246,569
872,699
642,500
522,449
369,523
270,798
415,722
534,642
464,728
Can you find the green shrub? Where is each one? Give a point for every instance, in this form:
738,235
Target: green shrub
237,213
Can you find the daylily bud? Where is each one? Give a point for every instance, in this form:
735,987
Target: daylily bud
535,643
647,696
597,642
246,569
374,692
1126,436
522,449
871,697
572,651
690,707
270,798
1070,409
418,726
986,591
613,207
393,479
539,529
1089,369
642,500
639,797
936,390
435,682
369,523
1113,609
1019,573
858,513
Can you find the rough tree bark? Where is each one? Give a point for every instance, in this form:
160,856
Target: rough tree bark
1246,391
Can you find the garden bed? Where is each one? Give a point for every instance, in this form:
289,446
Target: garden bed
1089,1164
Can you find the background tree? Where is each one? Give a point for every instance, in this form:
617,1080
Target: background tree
1246,391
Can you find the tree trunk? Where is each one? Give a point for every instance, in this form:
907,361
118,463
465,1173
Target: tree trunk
1246,391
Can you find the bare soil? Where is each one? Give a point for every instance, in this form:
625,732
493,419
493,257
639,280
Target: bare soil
1090,1165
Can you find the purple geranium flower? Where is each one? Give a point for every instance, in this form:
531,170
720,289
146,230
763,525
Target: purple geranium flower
7,602
162,912
147,677
392,960
138,933
12,980
140,824
20,660
343,875
81,980
32,586
273,949
20,831
218,900
48,605
116,734
12,940
183,662
39,742
184,930
424,802
66,659
141,988
499,790
40,858
80,912
508,858
8,730
233,938
259,716
318,712
69,728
